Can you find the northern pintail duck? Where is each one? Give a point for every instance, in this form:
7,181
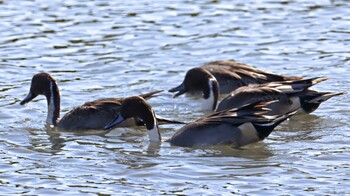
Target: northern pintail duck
93,115
231,75
235,127
290,94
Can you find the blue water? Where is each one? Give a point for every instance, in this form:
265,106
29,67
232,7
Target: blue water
99,49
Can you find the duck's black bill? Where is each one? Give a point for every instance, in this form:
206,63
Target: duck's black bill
180,89
28,98
119,119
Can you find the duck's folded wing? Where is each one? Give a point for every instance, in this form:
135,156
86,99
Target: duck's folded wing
250,95
231,65
293,86
248,71
91,115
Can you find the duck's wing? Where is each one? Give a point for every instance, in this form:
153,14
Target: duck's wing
230,78
231,65
250,70
293,86
237,115
282,91
234,74
257,112
252,94
92,115
120,100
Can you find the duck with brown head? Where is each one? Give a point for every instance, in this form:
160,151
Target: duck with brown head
199,80
290,94
93,115
236,127
231,75
137,107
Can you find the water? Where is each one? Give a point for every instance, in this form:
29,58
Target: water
102,48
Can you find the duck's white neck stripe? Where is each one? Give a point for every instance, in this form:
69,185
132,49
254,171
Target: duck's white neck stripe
154,135
207,104
51,107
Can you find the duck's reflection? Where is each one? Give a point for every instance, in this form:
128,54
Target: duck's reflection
257,151
305,127
57,142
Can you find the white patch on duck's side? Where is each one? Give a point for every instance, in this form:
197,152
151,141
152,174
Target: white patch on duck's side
248,134
285,88
154,135
266,124
51,106
207,104
296,104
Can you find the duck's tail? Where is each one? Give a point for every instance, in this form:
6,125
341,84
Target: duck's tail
266,126
284,78
150,94
324,96
294,86
311,99
162,121
275,77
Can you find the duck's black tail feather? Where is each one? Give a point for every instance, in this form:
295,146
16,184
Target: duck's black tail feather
162,121
324,96
294,86
265,127
311,100
150,94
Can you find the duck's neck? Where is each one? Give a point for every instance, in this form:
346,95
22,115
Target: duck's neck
152,128
211,95
53,103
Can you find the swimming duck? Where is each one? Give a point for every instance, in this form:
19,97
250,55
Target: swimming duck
236,127
93,115
231,75
291,94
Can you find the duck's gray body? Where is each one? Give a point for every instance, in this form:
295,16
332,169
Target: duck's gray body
194,135
92,115
235,127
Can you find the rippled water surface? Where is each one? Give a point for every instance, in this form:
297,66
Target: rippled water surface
103,48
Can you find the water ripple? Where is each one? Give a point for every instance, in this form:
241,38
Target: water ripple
105,48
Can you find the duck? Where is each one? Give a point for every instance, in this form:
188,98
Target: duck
232,75
235,127
92,115
290,94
